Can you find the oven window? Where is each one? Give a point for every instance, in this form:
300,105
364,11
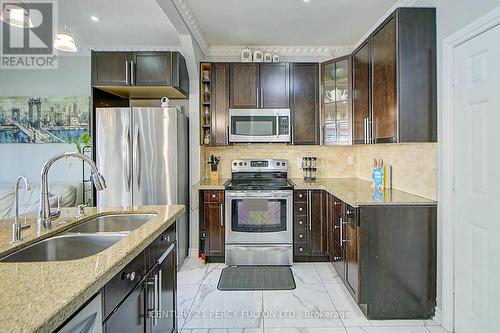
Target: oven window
253,125
258,215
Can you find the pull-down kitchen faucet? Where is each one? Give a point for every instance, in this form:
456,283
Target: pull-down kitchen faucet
45,216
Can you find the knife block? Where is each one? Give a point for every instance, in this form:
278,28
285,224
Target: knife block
214,175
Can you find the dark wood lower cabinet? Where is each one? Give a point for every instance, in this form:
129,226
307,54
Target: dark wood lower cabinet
310,227
140,303
385,255
212,224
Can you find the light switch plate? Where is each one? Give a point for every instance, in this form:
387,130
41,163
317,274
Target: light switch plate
299,162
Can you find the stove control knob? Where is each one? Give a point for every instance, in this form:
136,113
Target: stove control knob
245,163
235,164
283,164
277,163
241,163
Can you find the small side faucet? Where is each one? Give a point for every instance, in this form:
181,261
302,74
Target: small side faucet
17,227
45,216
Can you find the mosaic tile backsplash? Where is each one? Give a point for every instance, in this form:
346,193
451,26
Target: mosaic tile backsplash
414,164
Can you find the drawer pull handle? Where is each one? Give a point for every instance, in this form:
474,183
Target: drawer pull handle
337,258
128,276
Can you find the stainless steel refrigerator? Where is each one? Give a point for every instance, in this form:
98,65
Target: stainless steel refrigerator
143,154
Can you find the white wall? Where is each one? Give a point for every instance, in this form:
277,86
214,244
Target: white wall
72,78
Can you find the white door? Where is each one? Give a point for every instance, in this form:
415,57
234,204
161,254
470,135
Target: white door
477,183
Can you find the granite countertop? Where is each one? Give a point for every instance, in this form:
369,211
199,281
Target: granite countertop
357,192
39,296
210,184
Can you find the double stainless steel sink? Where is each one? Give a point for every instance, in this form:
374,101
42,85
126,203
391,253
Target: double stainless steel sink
83,240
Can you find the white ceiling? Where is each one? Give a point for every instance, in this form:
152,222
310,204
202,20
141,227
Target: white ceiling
122,23
287,22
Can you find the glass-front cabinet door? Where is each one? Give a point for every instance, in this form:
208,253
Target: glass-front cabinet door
336,101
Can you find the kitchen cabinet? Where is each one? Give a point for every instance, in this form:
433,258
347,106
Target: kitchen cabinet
244,86
360,92
351,258
336,101
212,229
127,74
304,91
310,227
401,96
111,68
384,92
220,104
142,297
259,86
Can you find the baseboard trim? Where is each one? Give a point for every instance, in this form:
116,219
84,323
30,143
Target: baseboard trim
193,253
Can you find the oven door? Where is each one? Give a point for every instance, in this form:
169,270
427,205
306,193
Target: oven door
256,217
259,125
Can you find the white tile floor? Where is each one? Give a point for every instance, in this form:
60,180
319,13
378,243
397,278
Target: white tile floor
319,304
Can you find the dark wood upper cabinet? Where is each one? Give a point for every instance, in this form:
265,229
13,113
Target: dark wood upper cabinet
402,93
384,83
304,91
360,92
111,68
274,85
152,69
127,74
244,86
220,104
259,86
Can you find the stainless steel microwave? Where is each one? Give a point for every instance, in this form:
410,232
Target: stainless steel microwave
259,125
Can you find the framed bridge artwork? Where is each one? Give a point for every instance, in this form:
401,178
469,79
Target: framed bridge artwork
44,119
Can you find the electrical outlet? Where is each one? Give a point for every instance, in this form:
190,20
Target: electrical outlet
350,160
299,162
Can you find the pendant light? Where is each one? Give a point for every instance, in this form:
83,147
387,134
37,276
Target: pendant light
16,14
64,40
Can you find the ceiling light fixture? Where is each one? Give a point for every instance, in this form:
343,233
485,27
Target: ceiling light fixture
16,14
94,18
307,0
64,40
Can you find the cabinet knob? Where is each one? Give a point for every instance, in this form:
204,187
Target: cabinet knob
301,195
347,212
128,276
337,227
301,236
336,203
301,209
301,222
337,258
301,249
214,196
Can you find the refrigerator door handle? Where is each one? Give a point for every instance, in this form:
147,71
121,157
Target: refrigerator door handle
137,158
126,163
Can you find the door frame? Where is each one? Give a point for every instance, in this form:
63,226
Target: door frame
446,146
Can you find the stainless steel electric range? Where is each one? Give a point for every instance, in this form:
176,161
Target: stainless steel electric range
259,213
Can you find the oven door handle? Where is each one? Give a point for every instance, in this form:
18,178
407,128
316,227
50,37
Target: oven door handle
264,197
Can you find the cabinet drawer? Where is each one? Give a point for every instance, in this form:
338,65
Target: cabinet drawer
300,222
351,215
214,196
302,248
300,196
301,235
339,205
123,282
162,243
300,208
